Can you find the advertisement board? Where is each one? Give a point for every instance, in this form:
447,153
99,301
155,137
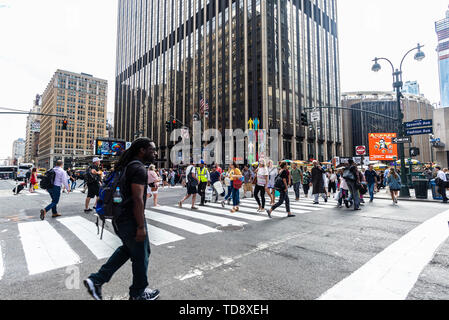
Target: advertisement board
109,148
381,147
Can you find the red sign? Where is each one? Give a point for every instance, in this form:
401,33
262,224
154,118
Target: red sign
360,150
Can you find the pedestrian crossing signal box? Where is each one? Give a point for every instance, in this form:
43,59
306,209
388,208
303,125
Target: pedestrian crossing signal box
65,124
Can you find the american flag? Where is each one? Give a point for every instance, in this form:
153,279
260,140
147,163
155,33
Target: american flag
204,106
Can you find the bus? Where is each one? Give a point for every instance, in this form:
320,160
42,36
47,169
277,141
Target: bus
23,169
8,172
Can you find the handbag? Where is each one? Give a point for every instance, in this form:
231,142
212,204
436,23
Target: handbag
237,184
36,186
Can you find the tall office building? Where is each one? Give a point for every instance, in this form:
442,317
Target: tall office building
411,87
247,59
18,151
33,129
82,100
442,29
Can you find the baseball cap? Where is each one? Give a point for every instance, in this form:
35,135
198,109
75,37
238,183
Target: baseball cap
96,160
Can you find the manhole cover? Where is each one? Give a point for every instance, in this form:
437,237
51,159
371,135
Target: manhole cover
230,228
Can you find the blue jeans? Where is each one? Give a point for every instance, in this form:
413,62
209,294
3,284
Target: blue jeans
138,252
371,191
229,195
55,194
296,187
73,186
235,197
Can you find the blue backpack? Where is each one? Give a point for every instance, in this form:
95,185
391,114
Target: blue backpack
106,209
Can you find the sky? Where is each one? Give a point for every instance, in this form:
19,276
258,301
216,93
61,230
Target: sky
37,37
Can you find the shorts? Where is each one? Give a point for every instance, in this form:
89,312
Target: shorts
191,190
270,186
248,187
93,190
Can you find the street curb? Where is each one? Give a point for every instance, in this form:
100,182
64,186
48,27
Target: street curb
413,199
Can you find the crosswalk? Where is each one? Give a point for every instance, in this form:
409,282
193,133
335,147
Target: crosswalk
46,247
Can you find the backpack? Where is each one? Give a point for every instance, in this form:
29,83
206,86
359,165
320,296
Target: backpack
279,183
348,175
237,184
48,180
192,182
88,176
106,209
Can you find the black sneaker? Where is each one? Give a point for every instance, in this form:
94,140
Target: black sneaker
93,289
325,200
268,212
347,204
88,210
148,294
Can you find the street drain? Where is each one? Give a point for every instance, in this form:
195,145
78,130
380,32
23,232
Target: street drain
230,228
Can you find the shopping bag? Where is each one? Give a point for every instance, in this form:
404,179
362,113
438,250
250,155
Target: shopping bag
219,187
277,194
209,193
36,186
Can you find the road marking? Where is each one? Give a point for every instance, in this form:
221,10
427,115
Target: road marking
44,248
213,208
393,273
86,231
189,226
159,236
201,216
2,267
296,209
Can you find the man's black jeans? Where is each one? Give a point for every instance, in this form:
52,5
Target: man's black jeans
138,252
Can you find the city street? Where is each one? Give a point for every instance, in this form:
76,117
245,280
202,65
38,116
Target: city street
378,251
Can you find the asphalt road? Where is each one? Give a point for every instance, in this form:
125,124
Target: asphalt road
279,259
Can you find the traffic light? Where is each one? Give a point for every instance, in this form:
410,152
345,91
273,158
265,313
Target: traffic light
175,124
64,125
168,126
414,152
304,120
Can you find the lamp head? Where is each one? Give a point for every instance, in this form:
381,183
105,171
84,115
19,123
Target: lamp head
419,56
376,66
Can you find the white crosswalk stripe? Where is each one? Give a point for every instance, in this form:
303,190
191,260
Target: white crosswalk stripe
252,202
201,216
186,225
44,248
160,236
226,212
86,231
276,213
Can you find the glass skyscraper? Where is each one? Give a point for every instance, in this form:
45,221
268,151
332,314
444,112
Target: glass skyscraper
442,29
265,59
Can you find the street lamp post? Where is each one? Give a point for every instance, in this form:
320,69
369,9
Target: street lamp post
397,85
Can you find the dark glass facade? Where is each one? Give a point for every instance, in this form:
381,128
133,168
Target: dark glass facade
266,59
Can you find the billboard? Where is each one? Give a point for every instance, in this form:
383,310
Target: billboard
109,148
381,147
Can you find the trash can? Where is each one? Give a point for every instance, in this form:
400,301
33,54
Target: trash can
420,186
435,194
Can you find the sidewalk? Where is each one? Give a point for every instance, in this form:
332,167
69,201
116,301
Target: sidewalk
383,195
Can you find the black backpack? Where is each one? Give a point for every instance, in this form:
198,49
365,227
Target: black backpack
48,180
88,176
106,208
279,183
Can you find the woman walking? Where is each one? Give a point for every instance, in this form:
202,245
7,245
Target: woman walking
153,182
235,176
261,184
332,182
283,190
33,180
272,174
394,183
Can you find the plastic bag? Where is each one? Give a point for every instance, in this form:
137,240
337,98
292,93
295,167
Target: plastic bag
209,194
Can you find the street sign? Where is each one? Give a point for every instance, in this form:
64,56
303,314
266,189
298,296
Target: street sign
420,131
418,124
360,150
401,140
315,116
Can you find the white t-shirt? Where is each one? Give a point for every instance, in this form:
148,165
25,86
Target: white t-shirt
261,174
442,175
326,180
272,172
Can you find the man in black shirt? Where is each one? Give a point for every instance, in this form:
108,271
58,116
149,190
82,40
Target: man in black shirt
92,178
131,225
